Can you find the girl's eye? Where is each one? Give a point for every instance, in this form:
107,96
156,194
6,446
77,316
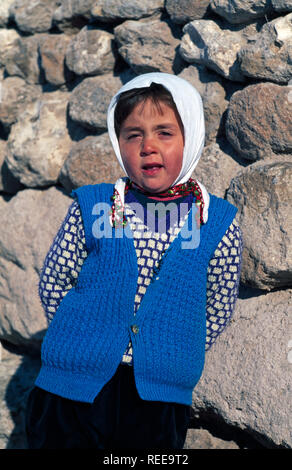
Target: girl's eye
165,133
132,136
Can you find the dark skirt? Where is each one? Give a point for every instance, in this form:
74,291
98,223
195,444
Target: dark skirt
117,419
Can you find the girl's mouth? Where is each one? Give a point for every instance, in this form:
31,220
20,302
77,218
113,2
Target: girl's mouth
151,168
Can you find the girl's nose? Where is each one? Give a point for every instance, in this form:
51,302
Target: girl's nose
147,146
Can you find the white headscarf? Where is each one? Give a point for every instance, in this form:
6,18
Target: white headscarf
190,108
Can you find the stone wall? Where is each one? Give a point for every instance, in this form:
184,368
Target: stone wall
60,63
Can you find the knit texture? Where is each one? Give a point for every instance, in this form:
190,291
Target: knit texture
68,252
94,322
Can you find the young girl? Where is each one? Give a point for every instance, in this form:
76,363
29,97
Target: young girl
134,303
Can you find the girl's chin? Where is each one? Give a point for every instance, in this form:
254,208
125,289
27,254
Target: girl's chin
154,189
152,185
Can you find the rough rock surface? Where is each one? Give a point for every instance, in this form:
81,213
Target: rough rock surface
22,320
268,55
39,141
110,11
90,161
8,39
206,43
90,52
263,194
225,164
241,11
52,55
258,123
16,94
247,377
17,375
138,39
90,99
4,12
184,11
213,94
202,439
282,5
33,17
8,183
71,15
22,59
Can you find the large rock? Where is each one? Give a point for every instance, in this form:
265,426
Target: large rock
90,161
117,10
241,11
52,52
258,123
212,92
91,52
262,192
268,56
149,45
217,166
4,12
23,60
16,94
90,99
32,218
33,17
184,11
204,42
247,378
39,142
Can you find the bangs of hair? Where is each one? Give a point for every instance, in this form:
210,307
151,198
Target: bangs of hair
128,100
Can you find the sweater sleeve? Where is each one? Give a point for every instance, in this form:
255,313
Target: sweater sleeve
63,262
223,282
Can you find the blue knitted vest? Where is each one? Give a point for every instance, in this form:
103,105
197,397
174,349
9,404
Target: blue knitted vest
87,337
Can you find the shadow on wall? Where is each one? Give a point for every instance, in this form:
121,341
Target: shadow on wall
16,394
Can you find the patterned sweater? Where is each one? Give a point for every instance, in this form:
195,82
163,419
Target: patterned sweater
68,252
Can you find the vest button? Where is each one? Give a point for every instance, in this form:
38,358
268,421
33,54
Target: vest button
135,329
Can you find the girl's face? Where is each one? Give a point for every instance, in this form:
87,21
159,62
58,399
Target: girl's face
151,145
